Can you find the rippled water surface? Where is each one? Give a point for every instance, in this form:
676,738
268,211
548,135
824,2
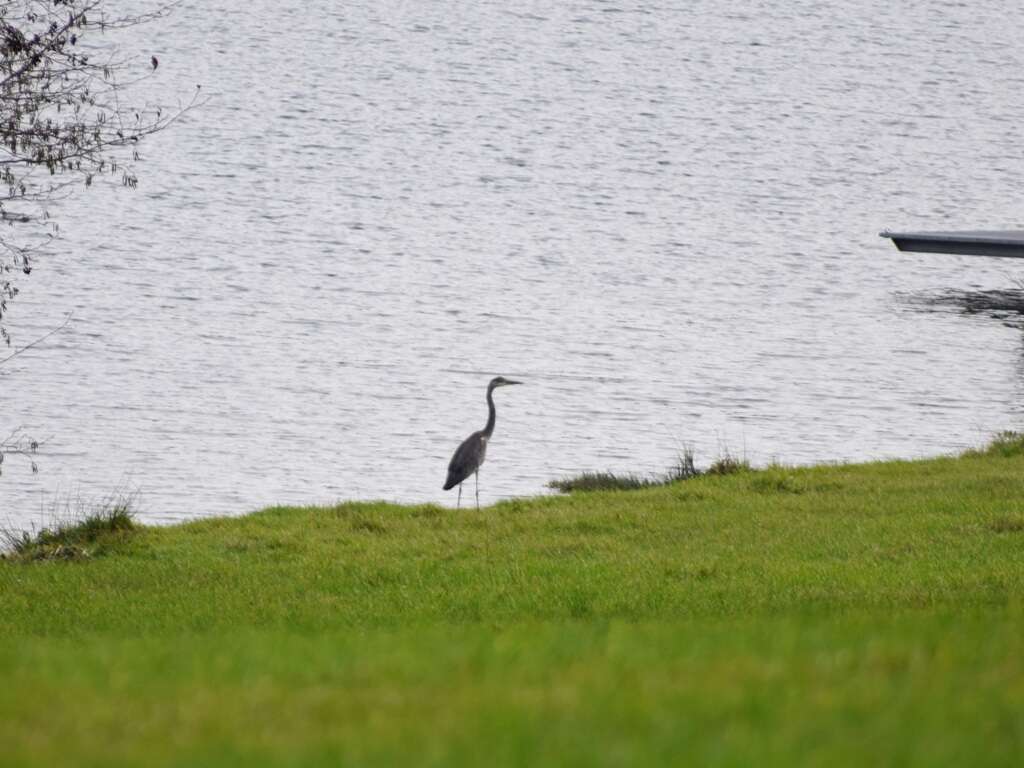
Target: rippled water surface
662,218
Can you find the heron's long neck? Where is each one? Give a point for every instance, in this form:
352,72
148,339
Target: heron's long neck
491,413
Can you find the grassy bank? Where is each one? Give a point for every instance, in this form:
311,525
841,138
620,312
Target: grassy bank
830,615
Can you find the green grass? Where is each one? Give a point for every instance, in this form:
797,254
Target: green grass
837,615
683,469
86,532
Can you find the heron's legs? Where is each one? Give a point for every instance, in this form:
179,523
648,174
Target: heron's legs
458,504
476,474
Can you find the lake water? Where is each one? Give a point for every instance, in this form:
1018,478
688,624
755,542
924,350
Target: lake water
662,218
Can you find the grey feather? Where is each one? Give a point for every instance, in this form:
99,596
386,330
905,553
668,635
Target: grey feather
467,459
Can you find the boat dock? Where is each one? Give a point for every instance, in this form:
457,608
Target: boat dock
976,243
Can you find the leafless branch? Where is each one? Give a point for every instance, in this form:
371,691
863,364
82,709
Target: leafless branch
42,338
65,119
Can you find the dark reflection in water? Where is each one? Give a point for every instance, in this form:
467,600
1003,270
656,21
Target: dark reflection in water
999,305
1003,304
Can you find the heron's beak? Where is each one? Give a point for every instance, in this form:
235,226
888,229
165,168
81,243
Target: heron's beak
509,381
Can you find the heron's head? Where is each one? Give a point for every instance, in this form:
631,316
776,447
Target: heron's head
501,381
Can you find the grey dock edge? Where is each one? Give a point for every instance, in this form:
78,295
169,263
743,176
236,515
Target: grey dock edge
974,243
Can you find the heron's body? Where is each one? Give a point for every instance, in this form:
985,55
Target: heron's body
467,459
471,452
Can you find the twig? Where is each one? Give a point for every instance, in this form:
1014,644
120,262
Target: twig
44,337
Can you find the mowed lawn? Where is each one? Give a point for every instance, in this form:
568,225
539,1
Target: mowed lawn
836,615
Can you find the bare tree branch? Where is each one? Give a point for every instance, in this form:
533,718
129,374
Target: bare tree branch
42,338
64,118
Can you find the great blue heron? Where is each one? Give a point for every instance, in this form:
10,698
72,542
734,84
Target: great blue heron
470,455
